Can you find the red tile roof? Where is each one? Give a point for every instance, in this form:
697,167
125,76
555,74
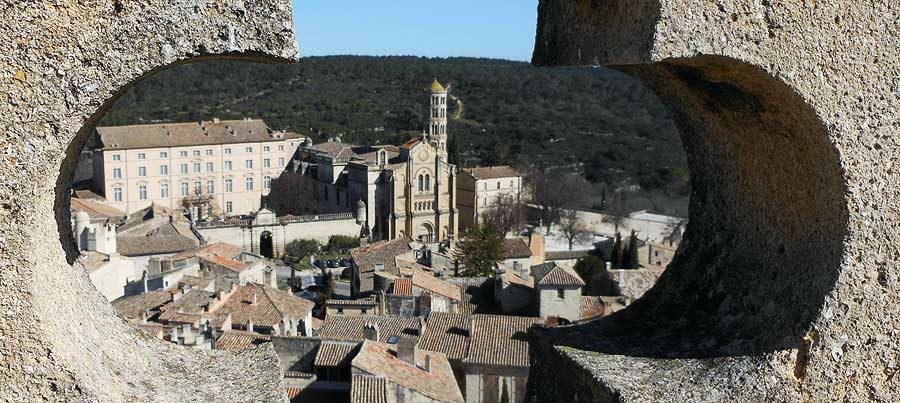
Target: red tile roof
516,248
338,327
438,383
502,171
403,286
447,333
552,274
236,340
500,340
591,307
336,353
369,389
270,308
188,134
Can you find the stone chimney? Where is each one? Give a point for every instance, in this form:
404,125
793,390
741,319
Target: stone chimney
370,331
249,325
427,364
536,245
406,349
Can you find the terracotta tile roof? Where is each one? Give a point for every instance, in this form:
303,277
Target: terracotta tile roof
447,333
193,301
369,389
503,171
347,151
93,260
134,306
381,359
218,249
552,274
403,286
270,308
336,353
434,285
236,340
338,327
411,142
155,230
566,254
510,276
500,340
362,302
384,252
176,317
516,248
227,263
317,395
87,194
477,294
96,209
194,282
591,307
188,134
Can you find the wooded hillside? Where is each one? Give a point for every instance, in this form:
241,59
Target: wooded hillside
600,123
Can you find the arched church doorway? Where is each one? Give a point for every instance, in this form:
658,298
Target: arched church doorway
265,245
425,233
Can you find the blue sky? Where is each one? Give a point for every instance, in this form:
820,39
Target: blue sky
502,29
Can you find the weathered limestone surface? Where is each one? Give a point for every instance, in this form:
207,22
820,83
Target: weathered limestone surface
786,285
61,63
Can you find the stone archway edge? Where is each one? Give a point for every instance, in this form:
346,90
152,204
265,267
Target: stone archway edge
61,65
842,62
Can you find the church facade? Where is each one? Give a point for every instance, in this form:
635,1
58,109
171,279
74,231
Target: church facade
406,191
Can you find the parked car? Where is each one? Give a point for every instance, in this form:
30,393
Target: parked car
321,264
333,264
345,263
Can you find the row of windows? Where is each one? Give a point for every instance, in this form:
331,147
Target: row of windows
438,129
424,206
196,153
210,167
484,186
436,100
424,183
198,188
438,113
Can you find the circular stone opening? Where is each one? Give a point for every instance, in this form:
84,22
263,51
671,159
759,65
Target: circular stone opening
768,219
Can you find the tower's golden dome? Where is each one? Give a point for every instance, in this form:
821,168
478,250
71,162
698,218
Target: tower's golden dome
436,86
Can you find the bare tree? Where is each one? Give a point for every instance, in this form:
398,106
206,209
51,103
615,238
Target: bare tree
553,190
506,214
616,212
294,193
573,228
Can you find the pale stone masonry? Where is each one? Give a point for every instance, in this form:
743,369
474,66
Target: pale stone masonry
221,166
481,188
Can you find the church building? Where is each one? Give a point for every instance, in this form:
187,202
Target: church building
406,191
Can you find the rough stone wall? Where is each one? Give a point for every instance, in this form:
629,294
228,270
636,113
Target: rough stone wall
784,286
62,63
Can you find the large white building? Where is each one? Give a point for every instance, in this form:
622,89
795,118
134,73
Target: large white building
215,166
481,189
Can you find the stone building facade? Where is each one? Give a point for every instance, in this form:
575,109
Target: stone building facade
482,189
217,167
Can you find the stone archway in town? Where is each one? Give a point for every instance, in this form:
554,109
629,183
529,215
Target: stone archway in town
266,245
425,232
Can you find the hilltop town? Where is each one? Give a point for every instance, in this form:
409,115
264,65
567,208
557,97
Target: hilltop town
378,273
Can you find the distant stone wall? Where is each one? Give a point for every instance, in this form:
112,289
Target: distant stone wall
248,237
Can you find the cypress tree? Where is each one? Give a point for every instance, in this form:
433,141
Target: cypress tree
632,256
616,255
